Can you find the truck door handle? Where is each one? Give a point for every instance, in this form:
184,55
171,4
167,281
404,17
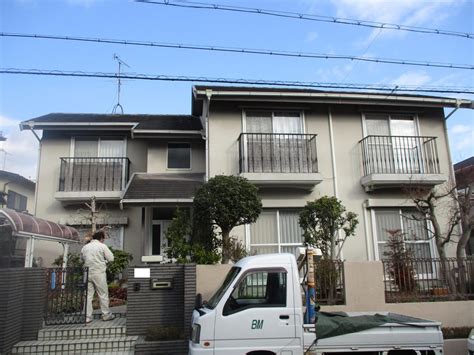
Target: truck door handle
284,317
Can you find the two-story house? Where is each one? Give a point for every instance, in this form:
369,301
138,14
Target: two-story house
294,144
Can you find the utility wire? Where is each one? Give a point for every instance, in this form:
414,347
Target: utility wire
301,84
308,17
271,52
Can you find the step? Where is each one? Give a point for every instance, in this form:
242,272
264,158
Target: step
77,346
95,329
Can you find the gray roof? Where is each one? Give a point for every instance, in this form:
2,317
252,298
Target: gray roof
145,122
17,178
147,187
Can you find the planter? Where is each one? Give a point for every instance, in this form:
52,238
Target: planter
440,291
161,347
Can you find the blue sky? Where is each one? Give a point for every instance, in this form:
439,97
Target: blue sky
24,97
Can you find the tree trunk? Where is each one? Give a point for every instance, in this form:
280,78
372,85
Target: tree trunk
225,246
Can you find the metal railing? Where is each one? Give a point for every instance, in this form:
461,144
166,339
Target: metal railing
330,282
66,296
93,174
426,280
399,155
277,153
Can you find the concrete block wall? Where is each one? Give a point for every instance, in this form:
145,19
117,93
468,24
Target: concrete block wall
162,307
22,292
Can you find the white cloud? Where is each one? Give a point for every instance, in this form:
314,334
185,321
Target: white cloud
406,12
414,78
335,73
19,153
460,129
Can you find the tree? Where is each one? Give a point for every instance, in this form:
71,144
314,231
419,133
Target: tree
321,221
228,202
400,267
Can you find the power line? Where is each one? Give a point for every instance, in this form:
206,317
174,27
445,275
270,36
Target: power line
270,52
301,84
308,17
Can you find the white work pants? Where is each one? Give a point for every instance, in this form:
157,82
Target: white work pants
98,283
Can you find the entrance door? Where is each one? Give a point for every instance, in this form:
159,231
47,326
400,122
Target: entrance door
258,315
158,237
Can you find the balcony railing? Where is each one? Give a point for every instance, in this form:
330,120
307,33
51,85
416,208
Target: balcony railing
399,155
277,153
427,280
93,174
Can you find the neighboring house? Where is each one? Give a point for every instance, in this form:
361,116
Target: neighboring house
464,171
295,145
16,192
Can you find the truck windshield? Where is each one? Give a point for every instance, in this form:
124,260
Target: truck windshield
214,300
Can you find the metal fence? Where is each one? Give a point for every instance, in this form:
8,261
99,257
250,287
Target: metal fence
66,296
93,174
277,153
399,155
425,280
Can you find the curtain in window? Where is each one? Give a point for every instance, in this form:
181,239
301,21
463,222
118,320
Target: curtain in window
287,122
290,229
264,230
85,148
110,148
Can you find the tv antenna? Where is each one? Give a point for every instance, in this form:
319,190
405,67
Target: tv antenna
119,83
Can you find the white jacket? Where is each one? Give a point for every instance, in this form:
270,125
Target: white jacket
96,255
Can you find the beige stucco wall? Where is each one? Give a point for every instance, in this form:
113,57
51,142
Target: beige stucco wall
364,288
158,153
226,124
7,185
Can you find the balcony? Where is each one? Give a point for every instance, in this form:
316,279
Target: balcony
396,161
81,178
283,160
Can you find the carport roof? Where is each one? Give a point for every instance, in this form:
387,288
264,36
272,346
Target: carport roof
25,224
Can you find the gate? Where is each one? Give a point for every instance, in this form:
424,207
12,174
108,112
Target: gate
66,296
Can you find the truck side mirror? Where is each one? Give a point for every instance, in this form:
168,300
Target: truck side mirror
198,301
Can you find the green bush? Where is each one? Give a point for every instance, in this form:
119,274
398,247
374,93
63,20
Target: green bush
158,332
120,263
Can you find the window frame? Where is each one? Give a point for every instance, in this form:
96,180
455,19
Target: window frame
241,277
124,140
16,197
190,156
279,244
272,111
415,116
429,241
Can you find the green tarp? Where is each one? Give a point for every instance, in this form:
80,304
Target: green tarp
339,323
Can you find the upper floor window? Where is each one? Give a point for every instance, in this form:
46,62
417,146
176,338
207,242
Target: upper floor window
274,122
381,124
99,147
179,156
16,201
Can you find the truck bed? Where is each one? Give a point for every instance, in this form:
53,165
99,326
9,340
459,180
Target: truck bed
351,334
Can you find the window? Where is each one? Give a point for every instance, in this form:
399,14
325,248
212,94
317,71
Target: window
98,147
16,201
276,231
415,233
179,156
258,289
284,122
394,145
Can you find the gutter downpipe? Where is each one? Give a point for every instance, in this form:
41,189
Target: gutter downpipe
206,136
450,160
333,153
38,168
333,164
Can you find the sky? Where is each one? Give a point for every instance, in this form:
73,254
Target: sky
26,97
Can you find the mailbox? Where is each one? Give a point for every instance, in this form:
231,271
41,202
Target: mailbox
160,284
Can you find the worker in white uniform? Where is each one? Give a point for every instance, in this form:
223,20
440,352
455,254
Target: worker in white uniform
96,255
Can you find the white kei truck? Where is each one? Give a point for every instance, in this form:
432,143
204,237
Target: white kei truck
258,310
